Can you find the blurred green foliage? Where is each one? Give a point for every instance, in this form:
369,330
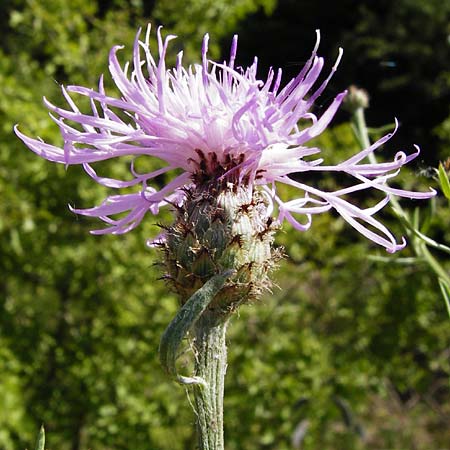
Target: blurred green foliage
353,347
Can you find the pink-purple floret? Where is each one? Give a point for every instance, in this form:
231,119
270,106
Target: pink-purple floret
215,108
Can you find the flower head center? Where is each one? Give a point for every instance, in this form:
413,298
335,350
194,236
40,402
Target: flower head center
218,169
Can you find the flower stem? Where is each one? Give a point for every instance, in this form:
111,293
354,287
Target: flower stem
210,365
362,134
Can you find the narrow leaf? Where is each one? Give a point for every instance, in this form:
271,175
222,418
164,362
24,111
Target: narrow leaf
40,443
186,317
409,226
445,289
444,181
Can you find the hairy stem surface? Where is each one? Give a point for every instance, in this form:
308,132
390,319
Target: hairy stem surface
210,365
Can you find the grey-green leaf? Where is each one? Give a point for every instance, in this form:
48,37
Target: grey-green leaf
183,321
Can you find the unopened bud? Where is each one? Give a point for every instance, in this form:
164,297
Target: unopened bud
356,98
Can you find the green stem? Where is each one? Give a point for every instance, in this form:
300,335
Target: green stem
185,319
362,134
208,327
210,365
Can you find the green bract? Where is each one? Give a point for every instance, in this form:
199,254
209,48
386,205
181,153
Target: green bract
217,229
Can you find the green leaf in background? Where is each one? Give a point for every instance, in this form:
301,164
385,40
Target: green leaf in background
40,443
445,289
444,182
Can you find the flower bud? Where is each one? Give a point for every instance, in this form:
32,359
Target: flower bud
356,98
218,229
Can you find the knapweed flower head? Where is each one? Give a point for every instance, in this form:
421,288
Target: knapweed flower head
215,124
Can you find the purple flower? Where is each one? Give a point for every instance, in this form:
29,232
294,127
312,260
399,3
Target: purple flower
216,123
